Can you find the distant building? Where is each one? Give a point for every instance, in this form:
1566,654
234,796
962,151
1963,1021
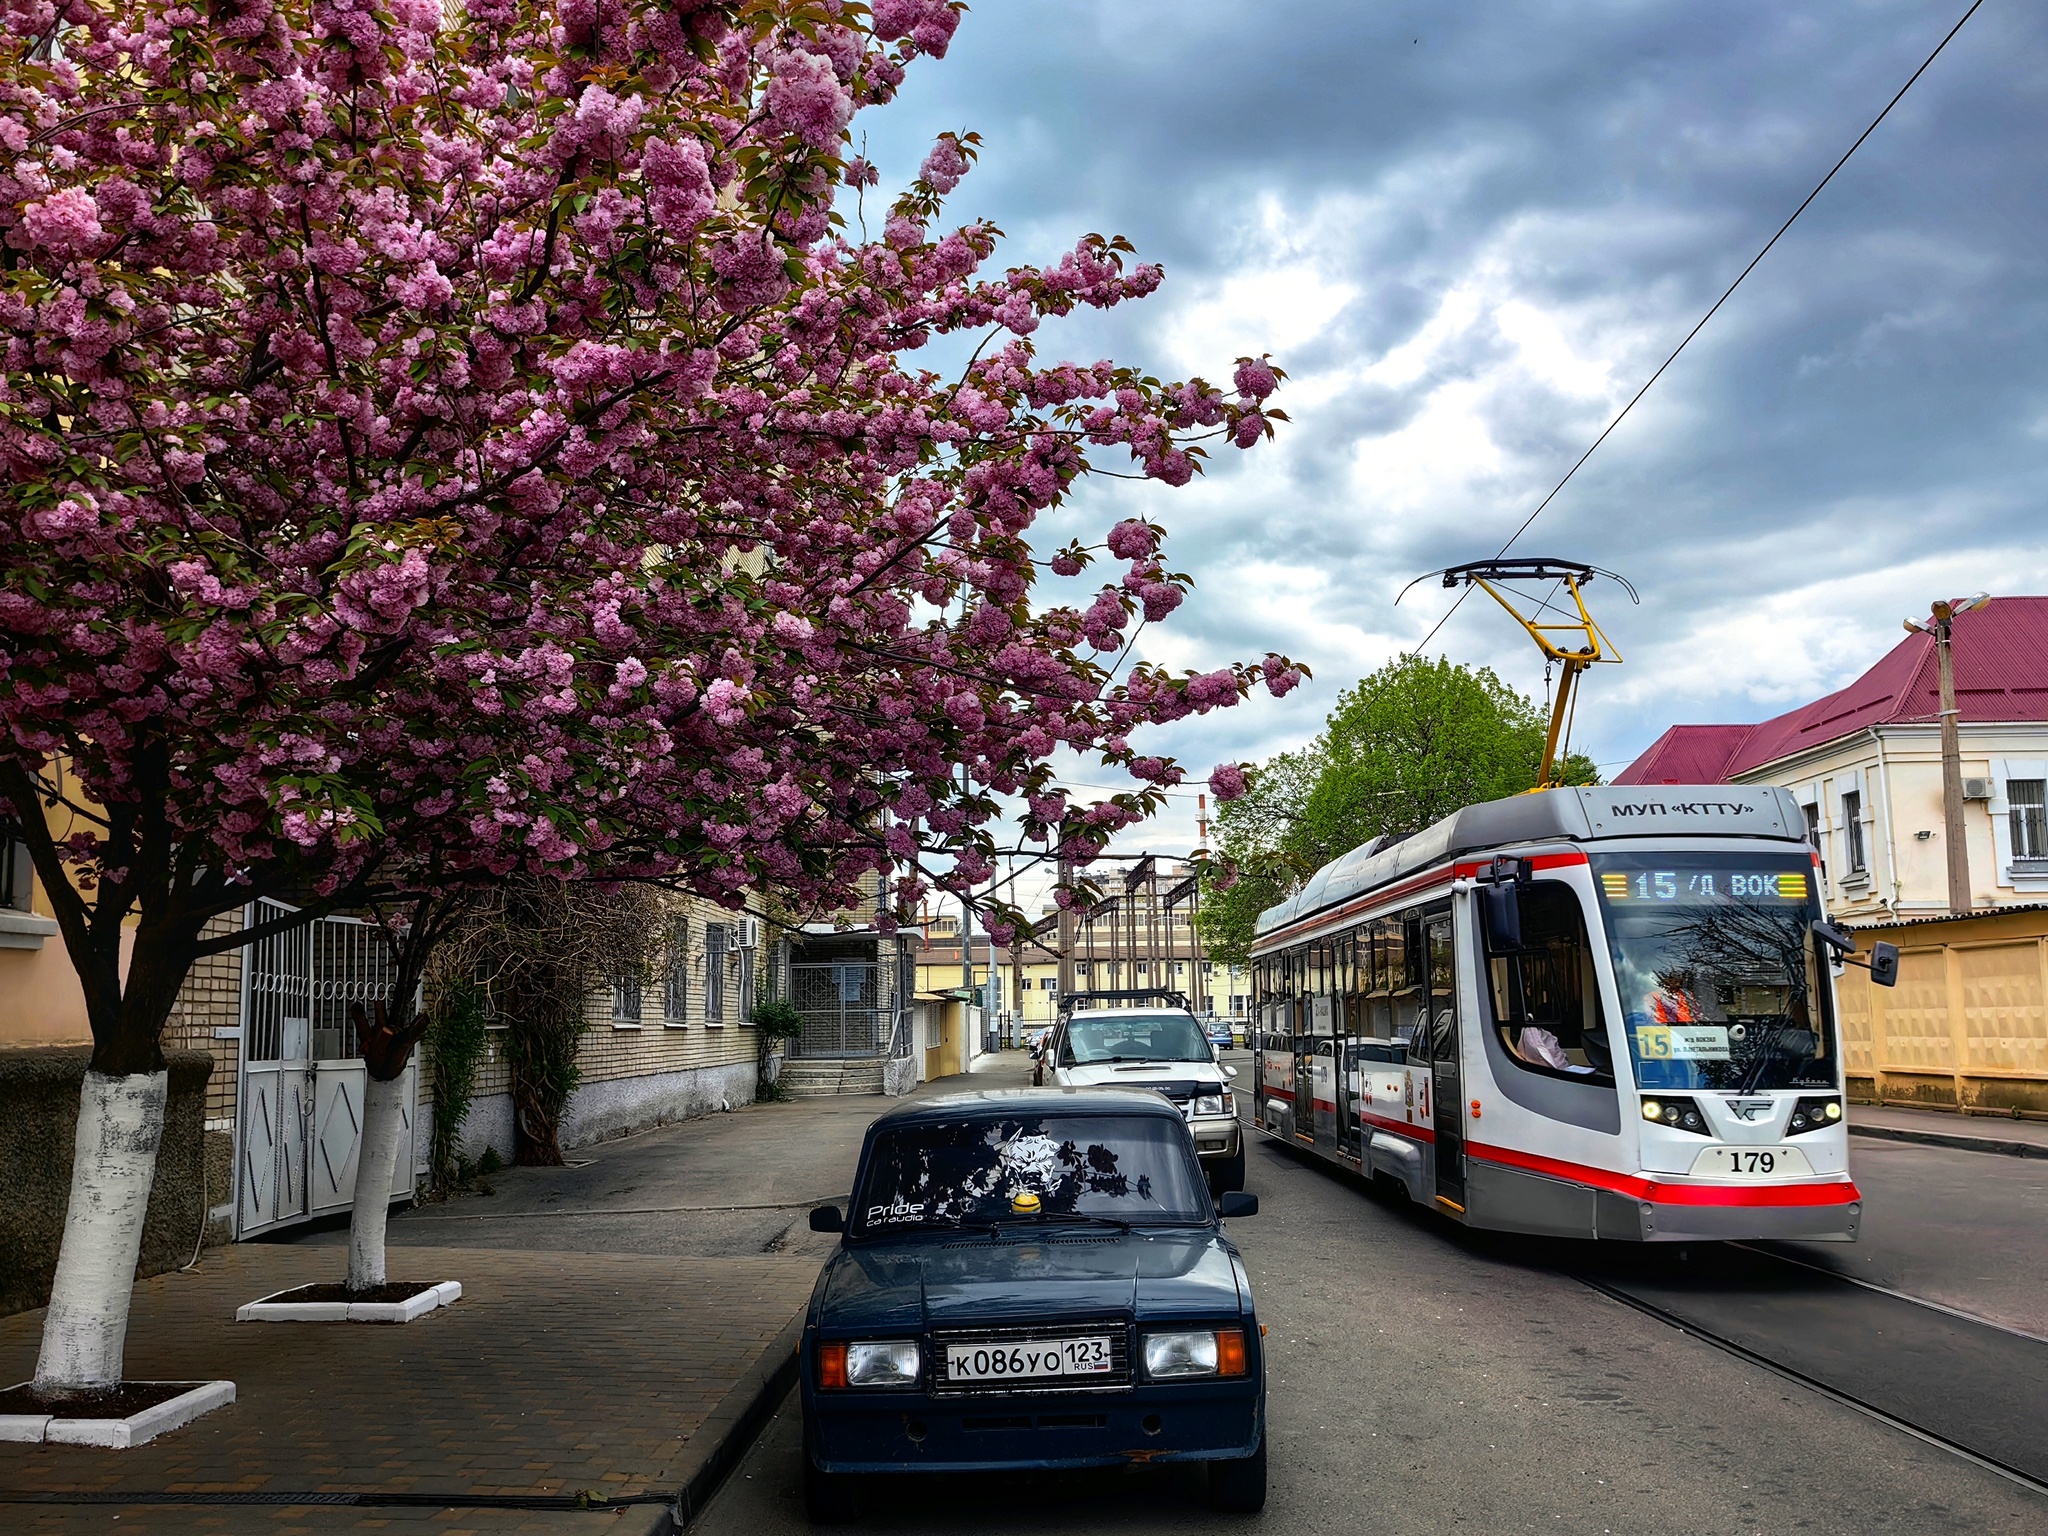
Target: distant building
1865,762
1967,1026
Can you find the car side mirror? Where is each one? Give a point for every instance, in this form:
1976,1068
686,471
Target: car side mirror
1229,1071
1502,902
1237,1203
1884,965
826,1218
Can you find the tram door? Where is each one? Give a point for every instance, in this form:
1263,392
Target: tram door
1447,1094
1304,1072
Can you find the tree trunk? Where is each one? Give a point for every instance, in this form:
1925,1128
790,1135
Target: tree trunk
383,1120
120,1124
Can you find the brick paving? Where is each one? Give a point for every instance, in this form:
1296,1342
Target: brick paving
555,1373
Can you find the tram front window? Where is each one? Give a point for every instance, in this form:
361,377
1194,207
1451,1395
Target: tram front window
1719,978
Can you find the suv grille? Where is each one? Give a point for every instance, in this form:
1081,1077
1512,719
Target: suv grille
1115,1379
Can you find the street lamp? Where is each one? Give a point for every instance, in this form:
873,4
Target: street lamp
1938,624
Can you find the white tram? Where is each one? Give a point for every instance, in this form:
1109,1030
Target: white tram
1595,1012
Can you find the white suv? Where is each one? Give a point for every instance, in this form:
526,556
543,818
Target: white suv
1166,1050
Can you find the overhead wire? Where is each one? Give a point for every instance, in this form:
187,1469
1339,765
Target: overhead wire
1689,335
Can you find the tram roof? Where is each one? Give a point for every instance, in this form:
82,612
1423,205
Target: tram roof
1571,815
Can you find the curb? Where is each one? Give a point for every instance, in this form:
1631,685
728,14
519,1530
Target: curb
729,1430
1952,1140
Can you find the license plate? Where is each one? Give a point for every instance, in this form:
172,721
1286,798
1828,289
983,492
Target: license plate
1753,1163
1028,1359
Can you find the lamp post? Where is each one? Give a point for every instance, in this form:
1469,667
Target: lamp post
1939,624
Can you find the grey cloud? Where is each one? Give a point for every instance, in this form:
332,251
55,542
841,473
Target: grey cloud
1873,397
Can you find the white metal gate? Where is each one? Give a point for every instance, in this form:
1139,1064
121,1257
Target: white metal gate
298,1131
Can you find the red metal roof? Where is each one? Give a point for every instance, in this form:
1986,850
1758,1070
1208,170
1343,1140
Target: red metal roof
2001,662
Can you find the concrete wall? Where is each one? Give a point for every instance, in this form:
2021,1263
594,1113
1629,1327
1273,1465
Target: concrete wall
38,1123
1965,1029
611,1107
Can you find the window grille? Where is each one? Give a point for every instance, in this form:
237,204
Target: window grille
2027,805
675,989
716,937
626,999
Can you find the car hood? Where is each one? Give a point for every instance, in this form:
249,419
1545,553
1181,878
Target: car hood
1141,1074
974,1280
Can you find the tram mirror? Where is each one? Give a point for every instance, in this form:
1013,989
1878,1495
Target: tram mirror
1840,940
1884,965
1502,903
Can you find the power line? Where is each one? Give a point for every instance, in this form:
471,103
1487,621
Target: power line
1760,255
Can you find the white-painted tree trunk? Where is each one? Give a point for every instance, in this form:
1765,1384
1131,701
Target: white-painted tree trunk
113,1164
383,1119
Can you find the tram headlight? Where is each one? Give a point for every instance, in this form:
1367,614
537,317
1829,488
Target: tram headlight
1681,1114
1813,1113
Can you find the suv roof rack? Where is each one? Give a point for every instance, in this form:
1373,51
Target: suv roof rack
1082,1001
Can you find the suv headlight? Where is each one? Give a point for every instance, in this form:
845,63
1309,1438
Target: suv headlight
876,1363
1195,1352
1215,1104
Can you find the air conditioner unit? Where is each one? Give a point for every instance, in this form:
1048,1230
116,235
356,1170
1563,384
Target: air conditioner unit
1976,789
747,932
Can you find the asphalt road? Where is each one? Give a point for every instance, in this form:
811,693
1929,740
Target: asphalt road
1424,1379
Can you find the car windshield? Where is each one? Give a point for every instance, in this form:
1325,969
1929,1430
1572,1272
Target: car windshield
1715,961
1030,1168
1133,1037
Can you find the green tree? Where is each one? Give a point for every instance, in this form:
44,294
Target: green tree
1407,746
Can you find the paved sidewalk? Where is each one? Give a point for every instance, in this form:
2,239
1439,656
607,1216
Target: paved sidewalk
554,1375
1971,1133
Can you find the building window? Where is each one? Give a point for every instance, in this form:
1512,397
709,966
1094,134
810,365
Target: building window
1048,983
675,985
1852,830
1813,827
2027,805
715,939
17,873
626,1001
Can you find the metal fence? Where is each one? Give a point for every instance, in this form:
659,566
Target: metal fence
842,1005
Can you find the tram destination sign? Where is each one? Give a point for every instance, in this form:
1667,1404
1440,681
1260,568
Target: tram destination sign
1723,810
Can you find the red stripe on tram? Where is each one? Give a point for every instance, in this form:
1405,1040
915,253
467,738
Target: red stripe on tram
1839,1192
1280,1093
1384,1122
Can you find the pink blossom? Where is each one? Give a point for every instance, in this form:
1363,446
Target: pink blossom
1227,782
806,98
1255,378
1133,539
945,165
67,222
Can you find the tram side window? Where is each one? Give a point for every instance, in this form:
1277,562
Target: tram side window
1546,998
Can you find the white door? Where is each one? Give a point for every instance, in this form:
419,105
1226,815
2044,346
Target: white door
337,1134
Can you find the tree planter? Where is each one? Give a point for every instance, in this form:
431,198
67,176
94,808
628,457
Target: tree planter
152,1408
330,1304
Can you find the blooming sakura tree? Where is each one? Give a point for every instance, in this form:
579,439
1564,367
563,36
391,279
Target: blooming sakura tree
467,438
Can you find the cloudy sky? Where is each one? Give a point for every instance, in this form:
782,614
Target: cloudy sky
1469,232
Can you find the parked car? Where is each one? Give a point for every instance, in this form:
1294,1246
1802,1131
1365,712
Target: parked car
1162,1048
1031,1279
1218,1031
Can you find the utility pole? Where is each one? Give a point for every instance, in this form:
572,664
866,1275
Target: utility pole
1939,624
1066,935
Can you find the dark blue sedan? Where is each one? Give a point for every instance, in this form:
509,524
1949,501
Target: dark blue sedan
1032,1279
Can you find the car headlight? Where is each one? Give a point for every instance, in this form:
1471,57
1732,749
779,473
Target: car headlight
1215,1104
1198,1352
876,1363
